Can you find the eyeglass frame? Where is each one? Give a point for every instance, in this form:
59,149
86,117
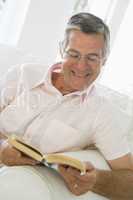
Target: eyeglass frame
90,60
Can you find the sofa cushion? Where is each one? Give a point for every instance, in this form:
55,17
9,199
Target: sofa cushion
40,182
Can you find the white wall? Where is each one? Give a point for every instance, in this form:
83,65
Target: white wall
44,26
118,73
11,21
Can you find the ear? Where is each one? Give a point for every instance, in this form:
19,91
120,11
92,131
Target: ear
61,48
104,61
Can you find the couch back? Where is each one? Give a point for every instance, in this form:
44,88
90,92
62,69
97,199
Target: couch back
11,56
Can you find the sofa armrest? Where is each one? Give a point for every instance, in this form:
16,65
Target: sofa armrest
39,183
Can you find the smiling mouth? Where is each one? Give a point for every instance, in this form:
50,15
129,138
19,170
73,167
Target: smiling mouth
80,76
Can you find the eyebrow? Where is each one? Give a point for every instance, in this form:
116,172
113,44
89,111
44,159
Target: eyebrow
73,50
89,54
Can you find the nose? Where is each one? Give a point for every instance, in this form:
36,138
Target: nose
82,63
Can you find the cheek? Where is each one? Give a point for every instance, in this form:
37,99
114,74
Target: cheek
94,75
96,70
67,66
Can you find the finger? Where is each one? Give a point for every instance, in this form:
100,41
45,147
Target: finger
89,166
25,160
90,172
15,153
62,169
69,180
65,174
76,174
17,158
71,176
65,169
19,161
73,171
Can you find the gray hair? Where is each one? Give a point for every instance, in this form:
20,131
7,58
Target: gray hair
89,24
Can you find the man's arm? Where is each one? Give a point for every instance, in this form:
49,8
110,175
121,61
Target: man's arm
115,184
2,138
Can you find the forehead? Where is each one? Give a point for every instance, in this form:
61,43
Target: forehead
85,42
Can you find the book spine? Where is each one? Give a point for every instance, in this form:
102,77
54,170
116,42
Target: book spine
50,165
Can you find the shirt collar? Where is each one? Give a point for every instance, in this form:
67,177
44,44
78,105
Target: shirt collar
47,80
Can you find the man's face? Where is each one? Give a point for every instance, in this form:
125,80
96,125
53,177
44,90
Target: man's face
82,59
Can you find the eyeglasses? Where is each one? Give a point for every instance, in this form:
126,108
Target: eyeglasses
75,56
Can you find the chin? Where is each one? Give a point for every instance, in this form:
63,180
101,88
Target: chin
79,88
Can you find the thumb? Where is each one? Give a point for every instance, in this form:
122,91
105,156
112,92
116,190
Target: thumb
89,166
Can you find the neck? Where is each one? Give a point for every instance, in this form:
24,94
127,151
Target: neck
58,82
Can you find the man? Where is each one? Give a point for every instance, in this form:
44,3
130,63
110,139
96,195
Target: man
69,94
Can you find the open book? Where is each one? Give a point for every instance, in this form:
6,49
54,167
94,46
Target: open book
46,159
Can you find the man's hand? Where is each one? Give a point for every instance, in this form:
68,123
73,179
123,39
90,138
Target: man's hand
76,182
11,156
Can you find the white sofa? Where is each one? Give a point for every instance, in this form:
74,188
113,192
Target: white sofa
42,183
11,56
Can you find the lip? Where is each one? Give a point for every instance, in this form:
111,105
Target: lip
80,76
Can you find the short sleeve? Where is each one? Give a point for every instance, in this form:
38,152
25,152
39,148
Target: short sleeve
111,130
9,86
